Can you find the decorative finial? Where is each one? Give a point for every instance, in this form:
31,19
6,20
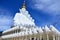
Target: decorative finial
24,6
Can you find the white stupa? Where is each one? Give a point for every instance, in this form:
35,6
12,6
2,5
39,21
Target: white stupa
23,18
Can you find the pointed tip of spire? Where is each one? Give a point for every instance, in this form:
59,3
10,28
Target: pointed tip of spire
24,6
24,1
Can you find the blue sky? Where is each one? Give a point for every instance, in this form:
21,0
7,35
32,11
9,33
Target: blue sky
45,12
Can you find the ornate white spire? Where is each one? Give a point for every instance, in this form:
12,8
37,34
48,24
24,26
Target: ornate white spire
47,30
53,29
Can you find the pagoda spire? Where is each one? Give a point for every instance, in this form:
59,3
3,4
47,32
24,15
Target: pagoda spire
24,5
23,8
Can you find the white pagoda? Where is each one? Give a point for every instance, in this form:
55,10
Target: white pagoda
25,29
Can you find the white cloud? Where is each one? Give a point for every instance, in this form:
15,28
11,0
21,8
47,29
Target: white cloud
3,28
5,19
5,22
51,6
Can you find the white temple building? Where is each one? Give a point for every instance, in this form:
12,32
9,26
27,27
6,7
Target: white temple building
25,29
